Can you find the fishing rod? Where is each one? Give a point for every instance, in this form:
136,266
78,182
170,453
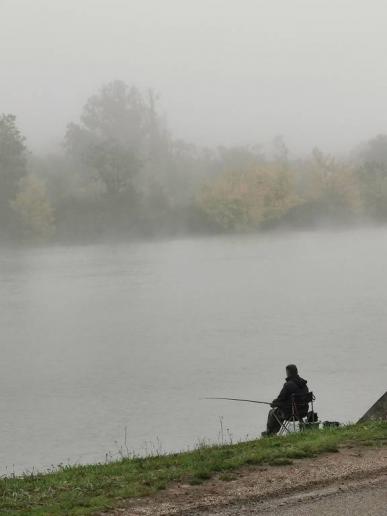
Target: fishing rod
238,399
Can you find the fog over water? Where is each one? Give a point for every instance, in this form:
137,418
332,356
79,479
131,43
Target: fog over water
228,72
192,195
99,338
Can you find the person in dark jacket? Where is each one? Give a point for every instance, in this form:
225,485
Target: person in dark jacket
282,405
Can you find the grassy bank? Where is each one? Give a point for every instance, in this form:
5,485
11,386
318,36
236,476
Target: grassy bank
85,489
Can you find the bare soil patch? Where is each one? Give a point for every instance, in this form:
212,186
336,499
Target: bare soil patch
224,494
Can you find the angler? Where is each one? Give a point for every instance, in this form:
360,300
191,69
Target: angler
282,406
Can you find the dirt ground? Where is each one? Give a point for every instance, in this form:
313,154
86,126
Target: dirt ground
367,497
353,479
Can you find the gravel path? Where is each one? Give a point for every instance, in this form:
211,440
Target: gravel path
360,498
371,501
258,490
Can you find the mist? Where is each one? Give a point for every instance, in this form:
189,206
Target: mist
227,74
228,87
192,195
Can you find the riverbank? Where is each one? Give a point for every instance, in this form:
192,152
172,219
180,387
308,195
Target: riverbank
351,481
82,490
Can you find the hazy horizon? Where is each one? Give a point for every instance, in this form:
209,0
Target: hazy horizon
192,195
226,73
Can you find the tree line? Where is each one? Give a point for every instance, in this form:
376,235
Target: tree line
121,174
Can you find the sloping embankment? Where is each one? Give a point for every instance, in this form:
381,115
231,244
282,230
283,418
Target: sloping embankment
105,487
330,480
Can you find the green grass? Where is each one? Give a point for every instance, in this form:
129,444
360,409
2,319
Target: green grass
81,490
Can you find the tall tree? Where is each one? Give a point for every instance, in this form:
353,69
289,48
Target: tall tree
374,151
12,167
115,135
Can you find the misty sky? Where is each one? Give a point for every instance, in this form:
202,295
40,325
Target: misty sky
227,71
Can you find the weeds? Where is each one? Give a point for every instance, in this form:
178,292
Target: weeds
75,490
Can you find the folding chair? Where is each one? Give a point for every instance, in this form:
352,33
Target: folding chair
300,416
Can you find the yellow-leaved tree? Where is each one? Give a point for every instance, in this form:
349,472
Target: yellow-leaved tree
329,187
33,209
247,198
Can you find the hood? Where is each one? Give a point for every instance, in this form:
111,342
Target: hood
297,380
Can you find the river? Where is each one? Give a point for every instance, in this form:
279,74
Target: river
107,349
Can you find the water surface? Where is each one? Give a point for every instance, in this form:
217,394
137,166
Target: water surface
99,339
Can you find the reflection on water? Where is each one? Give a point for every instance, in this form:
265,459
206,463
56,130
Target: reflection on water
97,339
